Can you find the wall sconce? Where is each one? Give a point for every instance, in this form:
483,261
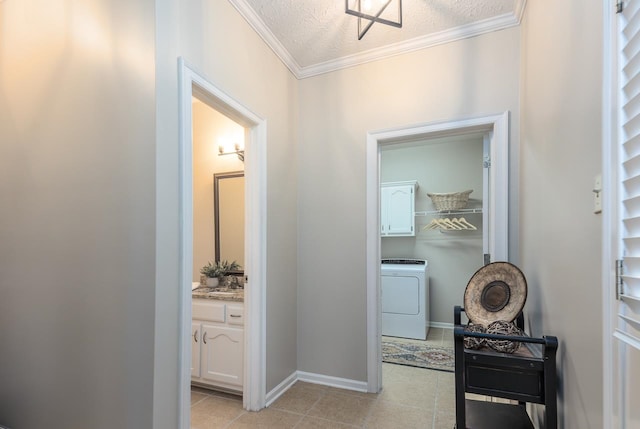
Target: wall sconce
363,9
236,151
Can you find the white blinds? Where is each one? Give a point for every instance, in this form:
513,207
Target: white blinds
628,329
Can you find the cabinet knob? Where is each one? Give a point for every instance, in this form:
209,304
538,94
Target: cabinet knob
195,336
235,315
204,337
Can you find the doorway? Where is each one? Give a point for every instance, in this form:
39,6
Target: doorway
495,203
445,243
193,84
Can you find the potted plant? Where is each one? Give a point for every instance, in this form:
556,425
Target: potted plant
212,272
216,270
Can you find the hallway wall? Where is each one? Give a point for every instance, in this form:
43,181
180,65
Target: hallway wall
470,77
218,43
560,239
77,185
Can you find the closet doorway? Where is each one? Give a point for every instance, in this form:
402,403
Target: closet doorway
482,140
445,243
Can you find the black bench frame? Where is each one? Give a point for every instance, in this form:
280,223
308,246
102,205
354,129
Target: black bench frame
521,378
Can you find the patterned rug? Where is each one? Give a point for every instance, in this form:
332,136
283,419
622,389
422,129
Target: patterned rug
417,354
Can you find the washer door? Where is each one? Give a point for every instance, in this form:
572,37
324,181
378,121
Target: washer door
400,295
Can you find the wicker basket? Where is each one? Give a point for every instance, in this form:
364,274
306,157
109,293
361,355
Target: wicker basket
451,200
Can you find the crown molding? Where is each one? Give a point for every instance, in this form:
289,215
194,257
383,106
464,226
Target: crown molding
263,31
486,26
496,23
519,9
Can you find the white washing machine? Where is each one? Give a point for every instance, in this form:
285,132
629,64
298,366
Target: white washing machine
405,298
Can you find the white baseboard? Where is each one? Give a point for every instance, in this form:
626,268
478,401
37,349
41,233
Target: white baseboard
342,383
277,391
326,380
441,325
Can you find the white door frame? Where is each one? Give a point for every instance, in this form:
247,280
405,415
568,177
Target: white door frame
610,411
254,390
497,126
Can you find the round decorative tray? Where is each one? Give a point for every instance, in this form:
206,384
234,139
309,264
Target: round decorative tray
496,291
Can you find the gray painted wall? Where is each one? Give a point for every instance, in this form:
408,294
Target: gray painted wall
77,259
560,240
470,77
439,165
215,40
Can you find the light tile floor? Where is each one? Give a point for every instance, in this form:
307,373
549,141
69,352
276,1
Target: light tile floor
410,398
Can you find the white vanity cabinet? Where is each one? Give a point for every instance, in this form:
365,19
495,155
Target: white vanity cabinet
397,208
217,344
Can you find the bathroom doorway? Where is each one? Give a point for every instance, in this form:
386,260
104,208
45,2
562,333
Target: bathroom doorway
494,133
218,189
194,85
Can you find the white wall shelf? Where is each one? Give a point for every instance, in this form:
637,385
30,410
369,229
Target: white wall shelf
448,212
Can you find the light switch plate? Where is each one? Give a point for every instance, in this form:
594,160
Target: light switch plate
597,197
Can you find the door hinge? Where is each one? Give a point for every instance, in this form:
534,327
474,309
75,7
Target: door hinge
619,6
618,278
487,258
486,162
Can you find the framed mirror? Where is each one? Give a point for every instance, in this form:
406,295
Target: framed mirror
228,212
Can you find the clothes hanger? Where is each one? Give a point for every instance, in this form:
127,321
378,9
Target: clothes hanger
448,222
459,224
434,224
467,224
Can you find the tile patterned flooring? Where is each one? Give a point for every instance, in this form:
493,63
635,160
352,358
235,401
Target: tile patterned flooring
410,398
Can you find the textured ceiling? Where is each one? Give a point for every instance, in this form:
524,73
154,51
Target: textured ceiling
316,36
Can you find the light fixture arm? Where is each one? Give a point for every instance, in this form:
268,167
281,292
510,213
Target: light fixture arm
372,18
237,151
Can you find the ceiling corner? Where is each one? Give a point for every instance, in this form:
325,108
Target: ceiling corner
265,33
519,9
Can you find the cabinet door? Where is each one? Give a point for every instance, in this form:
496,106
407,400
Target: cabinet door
384,204
196,334
222,354
398,210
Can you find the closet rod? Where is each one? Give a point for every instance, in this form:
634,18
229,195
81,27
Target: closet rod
448,212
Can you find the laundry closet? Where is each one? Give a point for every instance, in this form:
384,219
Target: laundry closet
452,243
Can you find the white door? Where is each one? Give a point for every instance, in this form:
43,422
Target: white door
486,189
622,219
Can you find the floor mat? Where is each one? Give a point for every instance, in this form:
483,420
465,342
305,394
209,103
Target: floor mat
418,354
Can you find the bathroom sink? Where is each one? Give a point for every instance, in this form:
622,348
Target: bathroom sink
218,292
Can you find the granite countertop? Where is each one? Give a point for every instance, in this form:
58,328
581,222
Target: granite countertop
219,293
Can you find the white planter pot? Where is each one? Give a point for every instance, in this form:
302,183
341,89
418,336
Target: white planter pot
212,281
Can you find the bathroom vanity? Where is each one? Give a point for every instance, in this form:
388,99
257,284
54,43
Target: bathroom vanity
217,338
